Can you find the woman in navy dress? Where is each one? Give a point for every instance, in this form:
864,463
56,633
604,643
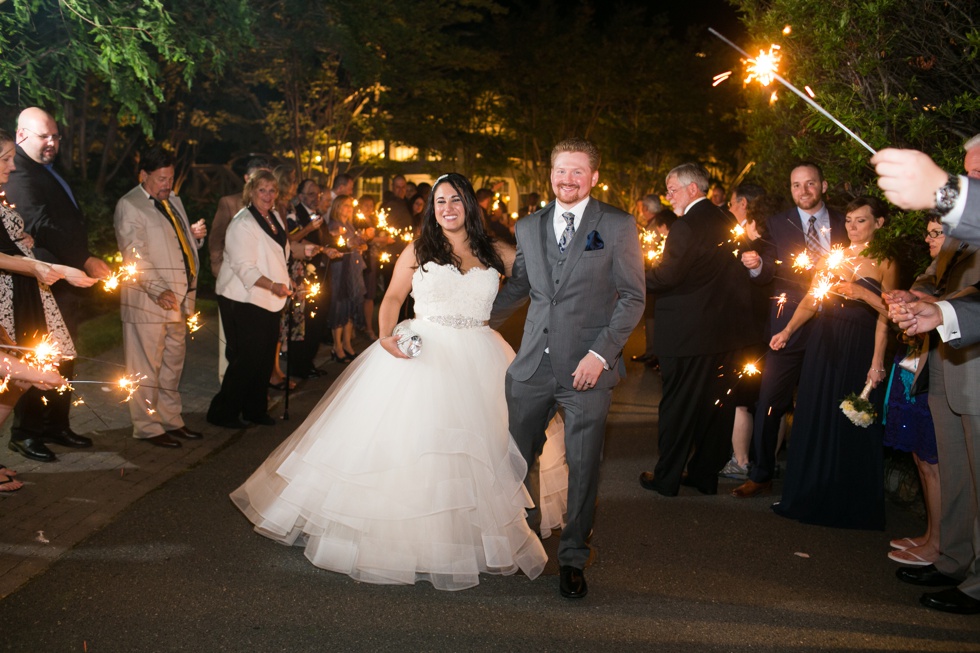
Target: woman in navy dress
834,474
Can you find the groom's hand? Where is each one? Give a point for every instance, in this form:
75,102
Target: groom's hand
587,373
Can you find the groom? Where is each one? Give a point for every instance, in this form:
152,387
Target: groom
580,262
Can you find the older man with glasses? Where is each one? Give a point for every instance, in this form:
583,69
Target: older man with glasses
52,216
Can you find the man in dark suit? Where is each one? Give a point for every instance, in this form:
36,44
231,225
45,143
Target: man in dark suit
51,215
813,227
580,262
699,290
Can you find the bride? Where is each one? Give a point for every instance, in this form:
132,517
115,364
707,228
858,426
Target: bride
405,470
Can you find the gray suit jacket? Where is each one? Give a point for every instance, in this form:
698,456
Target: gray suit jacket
592,301
147,237
961,365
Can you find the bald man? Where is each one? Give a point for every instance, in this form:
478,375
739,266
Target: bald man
52,216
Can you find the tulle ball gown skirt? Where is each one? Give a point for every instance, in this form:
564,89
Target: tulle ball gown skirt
405,470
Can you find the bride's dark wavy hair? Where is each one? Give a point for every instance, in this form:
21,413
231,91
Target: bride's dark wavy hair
432,245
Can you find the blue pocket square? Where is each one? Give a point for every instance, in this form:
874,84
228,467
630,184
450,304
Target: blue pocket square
593,242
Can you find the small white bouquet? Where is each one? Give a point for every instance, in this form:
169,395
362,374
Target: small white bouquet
858,409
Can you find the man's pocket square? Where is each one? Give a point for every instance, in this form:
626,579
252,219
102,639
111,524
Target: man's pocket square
593,242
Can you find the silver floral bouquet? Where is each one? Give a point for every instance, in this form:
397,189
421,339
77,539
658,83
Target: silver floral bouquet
409,342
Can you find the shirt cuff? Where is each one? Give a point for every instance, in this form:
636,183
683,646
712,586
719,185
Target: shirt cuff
754,272
605,365
950,328
952,219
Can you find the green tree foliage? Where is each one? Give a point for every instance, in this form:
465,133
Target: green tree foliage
901,73
51,48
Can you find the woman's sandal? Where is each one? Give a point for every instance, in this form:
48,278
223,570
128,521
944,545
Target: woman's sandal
7,481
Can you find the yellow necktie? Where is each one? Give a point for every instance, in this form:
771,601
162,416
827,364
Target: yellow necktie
182,237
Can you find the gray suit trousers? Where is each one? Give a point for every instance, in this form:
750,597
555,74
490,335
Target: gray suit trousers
531,405
958,441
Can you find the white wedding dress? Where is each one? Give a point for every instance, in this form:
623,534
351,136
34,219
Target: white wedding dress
406,470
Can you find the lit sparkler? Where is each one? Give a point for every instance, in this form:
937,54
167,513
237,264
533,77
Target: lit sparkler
780,303
194,322
802,262
385,258
312,289
750,369
823,285
129,384
768,68
124,273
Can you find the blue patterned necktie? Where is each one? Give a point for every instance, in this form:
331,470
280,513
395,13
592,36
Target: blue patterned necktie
812,240
566,236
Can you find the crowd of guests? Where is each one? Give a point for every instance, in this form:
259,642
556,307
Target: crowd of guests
297,266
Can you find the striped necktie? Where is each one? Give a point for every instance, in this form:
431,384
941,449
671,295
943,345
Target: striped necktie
566,236
813,240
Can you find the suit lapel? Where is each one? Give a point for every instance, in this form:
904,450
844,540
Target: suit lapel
590,220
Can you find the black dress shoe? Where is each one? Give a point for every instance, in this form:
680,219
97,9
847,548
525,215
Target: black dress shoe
184,432
640,358
233,423
262,420
928,576
648,482
32,448
312,374
572,583
162,440
67,438
951,600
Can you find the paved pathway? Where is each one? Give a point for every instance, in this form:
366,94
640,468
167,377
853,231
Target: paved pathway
92,559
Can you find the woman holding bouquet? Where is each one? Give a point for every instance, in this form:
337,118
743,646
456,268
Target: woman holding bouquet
834,474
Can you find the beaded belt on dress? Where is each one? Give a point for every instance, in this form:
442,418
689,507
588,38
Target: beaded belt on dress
455,321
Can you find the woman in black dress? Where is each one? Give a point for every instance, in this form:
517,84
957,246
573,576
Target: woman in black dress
834,474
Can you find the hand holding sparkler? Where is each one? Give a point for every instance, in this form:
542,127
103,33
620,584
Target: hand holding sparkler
751,260
96,267
199,230
909,178
916,317
167,300
74,276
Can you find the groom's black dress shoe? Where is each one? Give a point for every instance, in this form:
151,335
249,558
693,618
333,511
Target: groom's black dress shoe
951,600
67,438
648,482
32,448
572,582
928,576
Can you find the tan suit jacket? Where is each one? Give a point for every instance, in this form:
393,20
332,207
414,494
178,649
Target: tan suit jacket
228,208
146,236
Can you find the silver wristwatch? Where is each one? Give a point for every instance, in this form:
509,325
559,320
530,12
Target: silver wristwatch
947,195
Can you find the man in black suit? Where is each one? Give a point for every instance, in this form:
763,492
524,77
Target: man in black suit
307,228
699,290
809,226
51,215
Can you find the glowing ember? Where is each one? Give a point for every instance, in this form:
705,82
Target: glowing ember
130,384
4,384
738,231
312,289
835,258
763,67
340,241
45,356
382,219
802,262
750,369
78,401
824,284
780,303
721,77
385,257
809,91
194,322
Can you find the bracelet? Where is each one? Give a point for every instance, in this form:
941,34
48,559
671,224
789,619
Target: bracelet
874,370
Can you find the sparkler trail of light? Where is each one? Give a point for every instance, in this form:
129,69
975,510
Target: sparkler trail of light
194,322
780,304
806,98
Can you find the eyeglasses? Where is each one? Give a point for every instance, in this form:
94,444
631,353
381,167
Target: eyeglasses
54,138
934,234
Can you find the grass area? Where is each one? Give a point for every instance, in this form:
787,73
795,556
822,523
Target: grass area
104,332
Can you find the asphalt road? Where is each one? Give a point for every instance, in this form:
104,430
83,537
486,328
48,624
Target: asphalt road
181,570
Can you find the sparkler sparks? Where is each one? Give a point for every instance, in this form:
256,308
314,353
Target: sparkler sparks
765,67
45,356
129,384
823,285
780,303
126,272
802,262
194,322
750,369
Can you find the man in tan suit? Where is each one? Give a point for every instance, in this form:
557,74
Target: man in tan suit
153,231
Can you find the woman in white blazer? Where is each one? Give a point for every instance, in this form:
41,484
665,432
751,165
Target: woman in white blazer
252,288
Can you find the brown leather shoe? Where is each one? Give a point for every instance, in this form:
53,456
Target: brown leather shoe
750,489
